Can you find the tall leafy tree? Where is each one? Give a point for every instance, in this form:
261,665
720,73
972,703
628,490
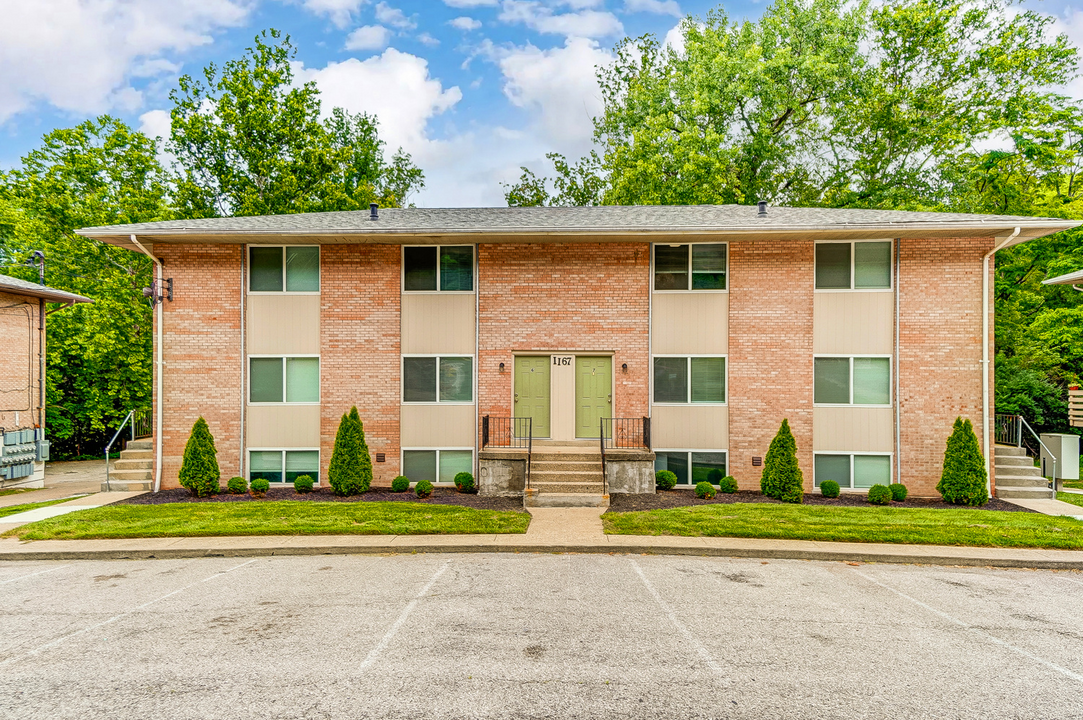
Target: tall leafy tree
249,140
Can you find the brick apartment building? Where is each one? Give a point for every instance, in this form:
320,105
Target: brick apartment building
863,328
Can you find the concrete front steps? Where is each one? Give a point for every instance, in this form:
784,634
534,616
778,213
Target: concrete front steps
1016,476
134,471
566,475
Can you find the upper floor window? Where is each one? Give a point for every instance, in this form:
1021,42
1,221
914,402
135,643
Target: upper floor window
430,379
293,268
429,268
853,265
689,379
700,266
284,379
852,380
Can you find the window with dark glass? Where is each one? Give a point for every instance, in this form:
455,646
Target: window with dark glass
864,265
689,379
444,268
438,379
293,268
284,379
699,266
691,466
852,380
283,466
852,471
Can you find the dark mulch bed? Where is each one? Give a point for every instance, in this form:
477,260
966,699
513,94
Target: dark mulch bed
440,496
619,502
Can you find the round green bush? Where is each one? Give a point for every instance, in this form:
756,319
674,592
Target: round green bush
464,483
303,484
714,476
259,487
400,484
423,488
727,485
879,495
829,488
237,486
898,492
665,480
705,490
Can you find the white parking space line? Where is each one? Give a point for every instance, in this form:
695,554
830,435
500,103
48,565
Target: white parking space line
675,621
69,636
40,572
386,639
1052,666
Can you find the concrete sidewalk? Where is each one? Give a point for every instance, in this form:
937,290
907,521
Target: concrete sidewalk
552,530
1049,507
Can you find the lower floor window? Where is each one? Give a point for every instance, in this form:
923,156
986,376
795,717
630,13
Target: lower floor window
436,465
690,466
852,471
283,466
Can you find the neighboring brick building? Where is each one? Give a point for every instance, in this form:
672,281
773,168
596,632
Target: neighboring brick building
862,328
23,447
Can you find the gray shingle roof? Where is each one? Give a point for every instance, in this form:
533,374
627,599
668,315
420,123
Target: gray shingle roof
30,289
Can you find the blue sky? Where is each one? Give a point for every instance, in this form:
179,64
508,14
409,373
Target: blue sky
473,89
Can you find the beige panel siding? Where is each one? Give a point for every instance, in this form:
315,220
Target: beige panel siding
691,427
853,429
696,323
437,323
857,323
283,324
437,426
562,401
283,426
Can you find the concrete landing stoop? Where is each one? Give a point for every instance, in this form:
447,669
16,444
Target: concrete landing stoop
1016,475
134,471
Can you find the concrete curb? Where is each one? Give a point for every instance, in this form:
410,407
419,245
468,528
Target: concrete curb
908,554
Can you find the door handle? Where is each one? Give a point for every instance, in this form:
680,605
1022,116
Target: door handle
516,397
610,398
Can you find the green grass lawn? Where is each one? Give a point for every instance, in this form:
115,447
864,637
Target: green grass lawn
272,518
986,528
1074,498
1074,484
13,509
17,491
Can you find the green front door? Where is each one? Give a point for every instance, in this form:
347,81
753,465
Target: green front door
532,392
593,394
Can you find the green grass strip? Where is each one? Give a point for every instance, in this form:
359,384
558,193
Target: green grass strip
972,527
17,491
272,518
1073,498
13,509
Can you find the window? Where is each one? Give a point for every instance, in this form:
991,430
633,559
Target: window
284,379
852,381
436,465
289,269
852,471
283,466
690,380
438,267
853,265
690,466
701,266
438,379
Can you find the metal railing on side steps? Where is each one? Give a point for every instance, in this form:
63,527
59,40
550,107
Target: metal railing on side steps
509,432
141,424
1015,430
622,433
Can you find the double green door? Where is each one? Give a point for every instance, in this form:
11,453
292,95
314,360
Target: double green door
593,394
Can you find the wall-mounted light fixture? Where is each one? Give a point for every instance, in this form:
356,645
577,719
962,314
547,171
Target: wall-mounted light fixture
624,367
501,367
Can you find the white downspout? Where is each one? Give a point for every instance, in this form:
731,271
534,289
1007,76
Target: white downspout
157,369
985,353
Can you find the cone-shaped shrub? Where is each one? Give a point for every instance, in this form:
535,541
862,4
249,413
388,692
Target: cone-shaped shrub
199,469
963,479
782,477
364,459
344,473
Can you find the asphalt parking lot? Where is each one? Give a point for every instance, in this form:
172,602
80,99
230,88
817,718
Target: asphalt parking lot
536,636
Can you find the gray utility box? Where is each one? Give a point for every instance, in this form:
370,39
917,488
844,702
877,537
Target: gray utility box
1065,448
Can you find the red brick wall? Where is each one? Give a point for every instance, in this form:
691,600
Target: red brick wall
770,352
360,348
202,352
576,296
18,361
940,373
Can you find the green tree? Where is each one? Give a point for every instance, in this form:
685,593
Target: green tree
249,140
199,468
364,460
782,478
344,473
963,480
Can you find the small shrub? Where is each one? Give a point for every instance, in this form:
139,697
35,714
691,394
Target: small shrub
963,480
464,483
303,484
898,492
705,490
400,484
714,476
237,486
782,477
665,480
260,486
199,468
423,488
829,489
727,485
879,495
346,473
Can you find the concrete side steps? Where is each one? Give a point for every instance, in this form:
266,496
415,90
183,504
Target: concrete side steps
134,471
568,488
144,444
1010,481
551,499
128,464
137,454
566,465
1024,493
127,485
578,457
1014,461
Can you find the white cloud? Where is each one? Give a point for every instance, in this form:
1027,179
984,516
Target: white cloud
1070,23
541,18
80,56
427,39
659,7
470,3
465,24
368,37
341,12
155,124
394,17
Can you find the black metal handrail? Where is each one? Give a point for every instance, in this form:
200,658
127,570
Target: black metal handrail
631,433
509,432
142,423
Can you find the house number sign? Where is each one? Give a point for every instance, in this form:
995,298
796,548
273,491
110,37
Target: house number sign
563,359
